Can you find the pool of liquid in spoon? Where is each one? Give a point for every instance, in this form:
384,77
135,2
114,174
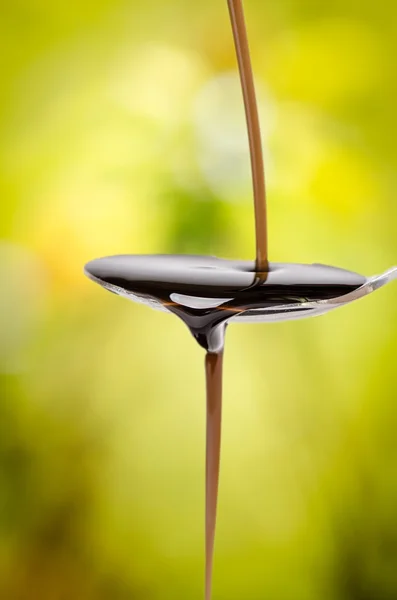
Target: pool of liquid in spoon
206,292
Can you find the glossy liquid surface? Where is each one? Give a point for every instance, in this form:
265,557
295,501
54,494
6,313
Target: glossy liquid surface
206,292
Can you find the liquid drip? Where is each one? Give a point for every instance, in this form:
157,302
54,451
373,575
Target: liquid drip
206,292
213,373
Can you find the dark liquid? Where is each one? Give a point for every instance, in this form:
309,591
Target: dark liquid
213,373
207,292
254,131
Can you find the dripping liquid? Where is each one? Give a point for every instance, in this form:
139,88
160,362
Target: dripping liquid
213,371
214,362
206,292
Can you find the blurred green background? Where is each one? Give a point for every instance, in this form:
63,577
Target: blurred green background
123,131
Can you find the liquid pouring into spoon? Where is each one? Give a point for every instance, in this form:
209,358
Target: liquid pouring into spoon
208,293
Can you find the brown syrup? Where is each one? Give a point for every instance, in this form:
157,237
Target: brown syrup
207,292
254,132
213,372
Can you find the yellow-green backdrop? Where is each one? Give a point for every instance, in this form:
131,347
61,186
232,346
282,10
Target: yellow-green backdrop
123,132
